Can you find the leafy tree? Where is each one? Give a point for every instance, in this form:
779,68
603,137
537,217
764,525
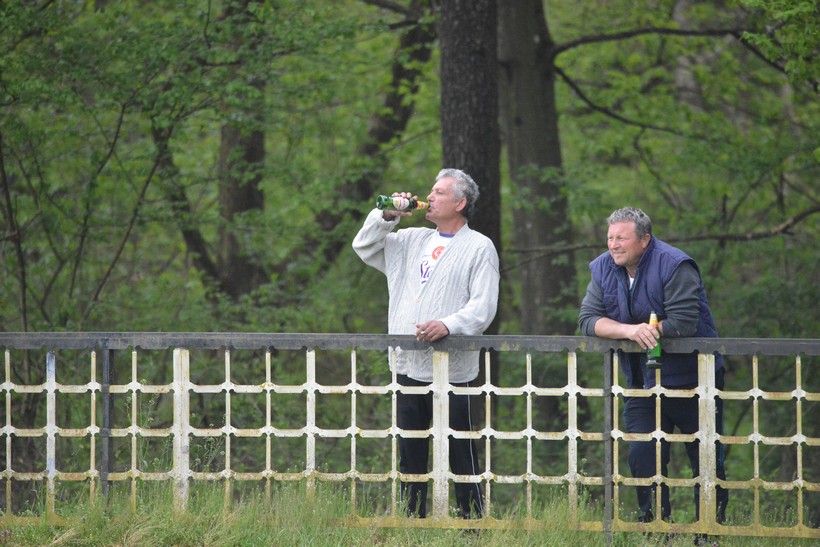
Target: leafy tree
788,37
204,167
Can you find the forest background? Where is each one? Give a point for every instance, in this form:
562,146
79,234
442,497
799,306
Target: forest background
204,166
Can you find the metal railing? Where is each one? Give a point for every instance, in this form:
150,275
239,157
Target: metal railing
101,471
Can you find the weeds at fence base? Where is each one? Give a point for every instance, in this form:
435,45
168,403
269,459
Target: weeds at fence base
290,515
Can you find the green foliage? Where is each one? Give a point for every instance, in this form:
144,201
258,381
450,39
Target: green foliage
85,94
86,91
792,38
713,141
712,148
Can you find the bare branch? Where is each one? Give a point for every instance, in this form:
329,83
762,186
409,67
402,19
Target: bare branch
668,191
781,229
121,248
17,239
193,237
608,112
86,220
739,34
759,54
617,36
392,6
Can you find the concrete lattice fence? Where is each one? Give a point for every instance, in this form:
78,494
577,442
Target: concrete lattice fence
607,483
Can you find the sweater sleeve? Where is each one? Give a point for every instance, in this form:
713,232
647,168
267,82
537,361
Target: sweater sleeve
369,243
681,302
479,311
592,309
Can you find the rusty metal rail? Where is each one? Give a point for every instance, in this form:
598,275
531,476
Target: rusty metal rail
100,474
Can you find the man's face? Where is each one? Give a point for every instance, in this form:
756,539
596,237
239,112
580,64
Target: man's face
624,246
442,207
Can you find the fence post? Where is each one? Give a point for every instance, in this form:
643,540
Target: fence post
609,490
7,426
51,430
708,438
572,438
441,426
310,423
107,446
182,445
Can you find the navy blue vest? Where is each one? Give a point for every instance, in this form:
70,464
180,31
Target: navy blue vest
658,263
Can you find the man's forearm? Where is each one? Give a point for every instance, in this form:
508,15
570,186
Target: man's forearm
609,328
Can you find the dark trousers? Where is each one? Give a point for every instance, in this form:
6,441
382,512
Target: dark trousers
639,417
415,412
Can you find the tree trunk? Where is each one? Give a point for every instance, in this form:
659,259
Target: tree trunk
241,158
240,169
469,103
469,122
530,131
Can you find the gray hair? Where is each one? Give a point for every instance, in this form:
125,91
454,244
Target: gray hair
465,187
643,224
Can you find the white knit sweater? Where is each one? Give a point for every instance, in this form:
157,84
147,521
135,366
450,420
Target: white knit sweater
462,291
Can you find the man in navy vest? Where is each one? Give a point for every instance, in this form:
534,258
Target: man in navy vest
638,275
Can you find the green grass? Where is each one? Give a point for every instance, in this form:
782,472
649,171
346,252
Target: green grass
290,517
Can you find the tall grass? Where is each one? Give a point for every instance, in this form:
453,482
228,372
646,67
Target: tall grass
291,517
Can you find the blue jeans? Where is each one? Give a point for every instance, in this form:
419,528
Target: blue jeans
639,417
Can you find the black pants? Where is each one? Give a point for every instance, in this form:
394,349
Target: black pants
639,417
415,412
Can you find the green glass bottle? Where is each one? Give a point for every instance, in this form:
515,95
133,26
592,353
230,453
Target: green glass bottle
390,202
653,355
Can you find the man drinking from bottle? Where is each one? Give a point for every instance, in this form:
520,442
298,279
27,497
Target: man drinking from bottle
440,282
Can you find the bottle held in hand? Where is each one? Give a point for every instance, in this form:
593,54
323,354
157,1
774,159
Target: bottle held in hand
653,355
394,203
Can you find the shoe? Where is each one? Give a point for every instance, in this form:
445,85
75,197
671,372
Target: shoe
646,517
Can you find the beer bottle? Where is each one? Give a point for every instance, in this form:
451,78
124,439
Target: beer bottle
391,202
653,355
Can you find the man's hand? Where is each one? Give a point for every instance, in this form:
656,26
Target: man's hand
643,333
390,214
431,331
